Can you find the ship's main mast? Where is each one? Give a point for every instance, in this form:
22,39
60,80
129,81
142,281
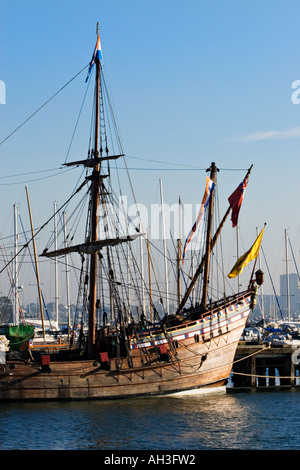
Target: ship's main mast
94,214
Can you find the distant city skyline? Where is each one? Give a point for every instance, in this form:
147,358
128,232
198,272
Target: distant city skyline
280,305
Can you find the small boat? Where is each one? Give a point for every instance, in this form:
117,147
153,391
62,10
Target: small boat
251,335
281,340
126,353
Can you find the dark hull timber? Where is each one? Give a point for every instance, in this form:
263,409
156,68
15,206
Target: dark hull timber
195,355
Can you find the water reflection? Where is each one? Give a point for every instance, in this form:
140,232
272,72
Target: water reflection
231,421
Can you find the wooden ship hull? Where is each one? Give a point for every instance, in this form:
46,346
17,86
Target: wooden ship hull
194,356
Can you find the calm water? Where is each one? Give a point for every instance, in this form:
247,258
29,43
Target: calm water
252,420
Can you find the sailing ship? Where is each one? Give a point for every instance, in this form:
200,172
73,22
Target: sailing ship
124,353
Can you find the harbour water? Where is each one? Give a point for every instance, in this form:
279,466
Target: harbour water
266,420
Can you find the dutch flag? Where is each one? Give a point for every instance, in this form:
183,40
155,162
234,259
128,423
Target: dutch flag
96,56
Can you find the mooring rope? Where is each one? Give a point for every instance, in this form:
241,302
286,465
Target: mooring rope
253,354
267,376
258,375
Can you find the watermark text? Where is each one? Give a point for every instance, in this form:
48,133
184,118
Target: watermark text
2,92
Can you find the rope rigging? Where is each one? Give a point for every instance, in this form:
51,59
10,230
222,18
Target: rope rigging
43,105
113,270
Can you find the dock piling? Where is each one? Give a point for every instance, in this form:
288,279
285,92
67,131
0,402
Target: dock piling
261,366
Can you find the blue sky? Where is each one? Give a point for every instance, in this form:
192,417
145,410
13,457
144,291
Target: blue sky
192,82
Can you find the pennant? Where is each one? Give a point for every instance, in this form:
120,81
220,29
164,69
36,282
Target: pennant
236,199
96,56
247,257
206,198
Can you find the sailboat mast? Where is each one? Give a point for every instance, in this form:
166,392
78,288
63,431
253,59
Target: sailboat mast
179,256
16,281
36,264
142,274
213,171
56,266
94,216
149,274
287,277
67,277
165,247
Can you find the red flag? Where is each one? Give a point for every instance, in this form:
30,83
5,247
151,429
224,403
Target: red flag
236,199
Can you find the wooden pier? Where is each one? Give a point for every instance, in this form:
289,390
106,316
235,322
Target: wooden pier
261,366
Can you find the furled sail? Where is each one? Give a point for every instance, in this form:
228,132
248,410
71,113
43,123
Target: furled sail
91,162
90,247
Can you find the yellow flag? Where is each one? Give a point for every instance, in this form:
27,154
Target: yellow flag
247,257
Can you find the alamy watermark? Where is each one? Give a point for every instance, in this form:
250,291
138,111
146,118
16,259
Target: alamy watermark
296,94
159,221
2,92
